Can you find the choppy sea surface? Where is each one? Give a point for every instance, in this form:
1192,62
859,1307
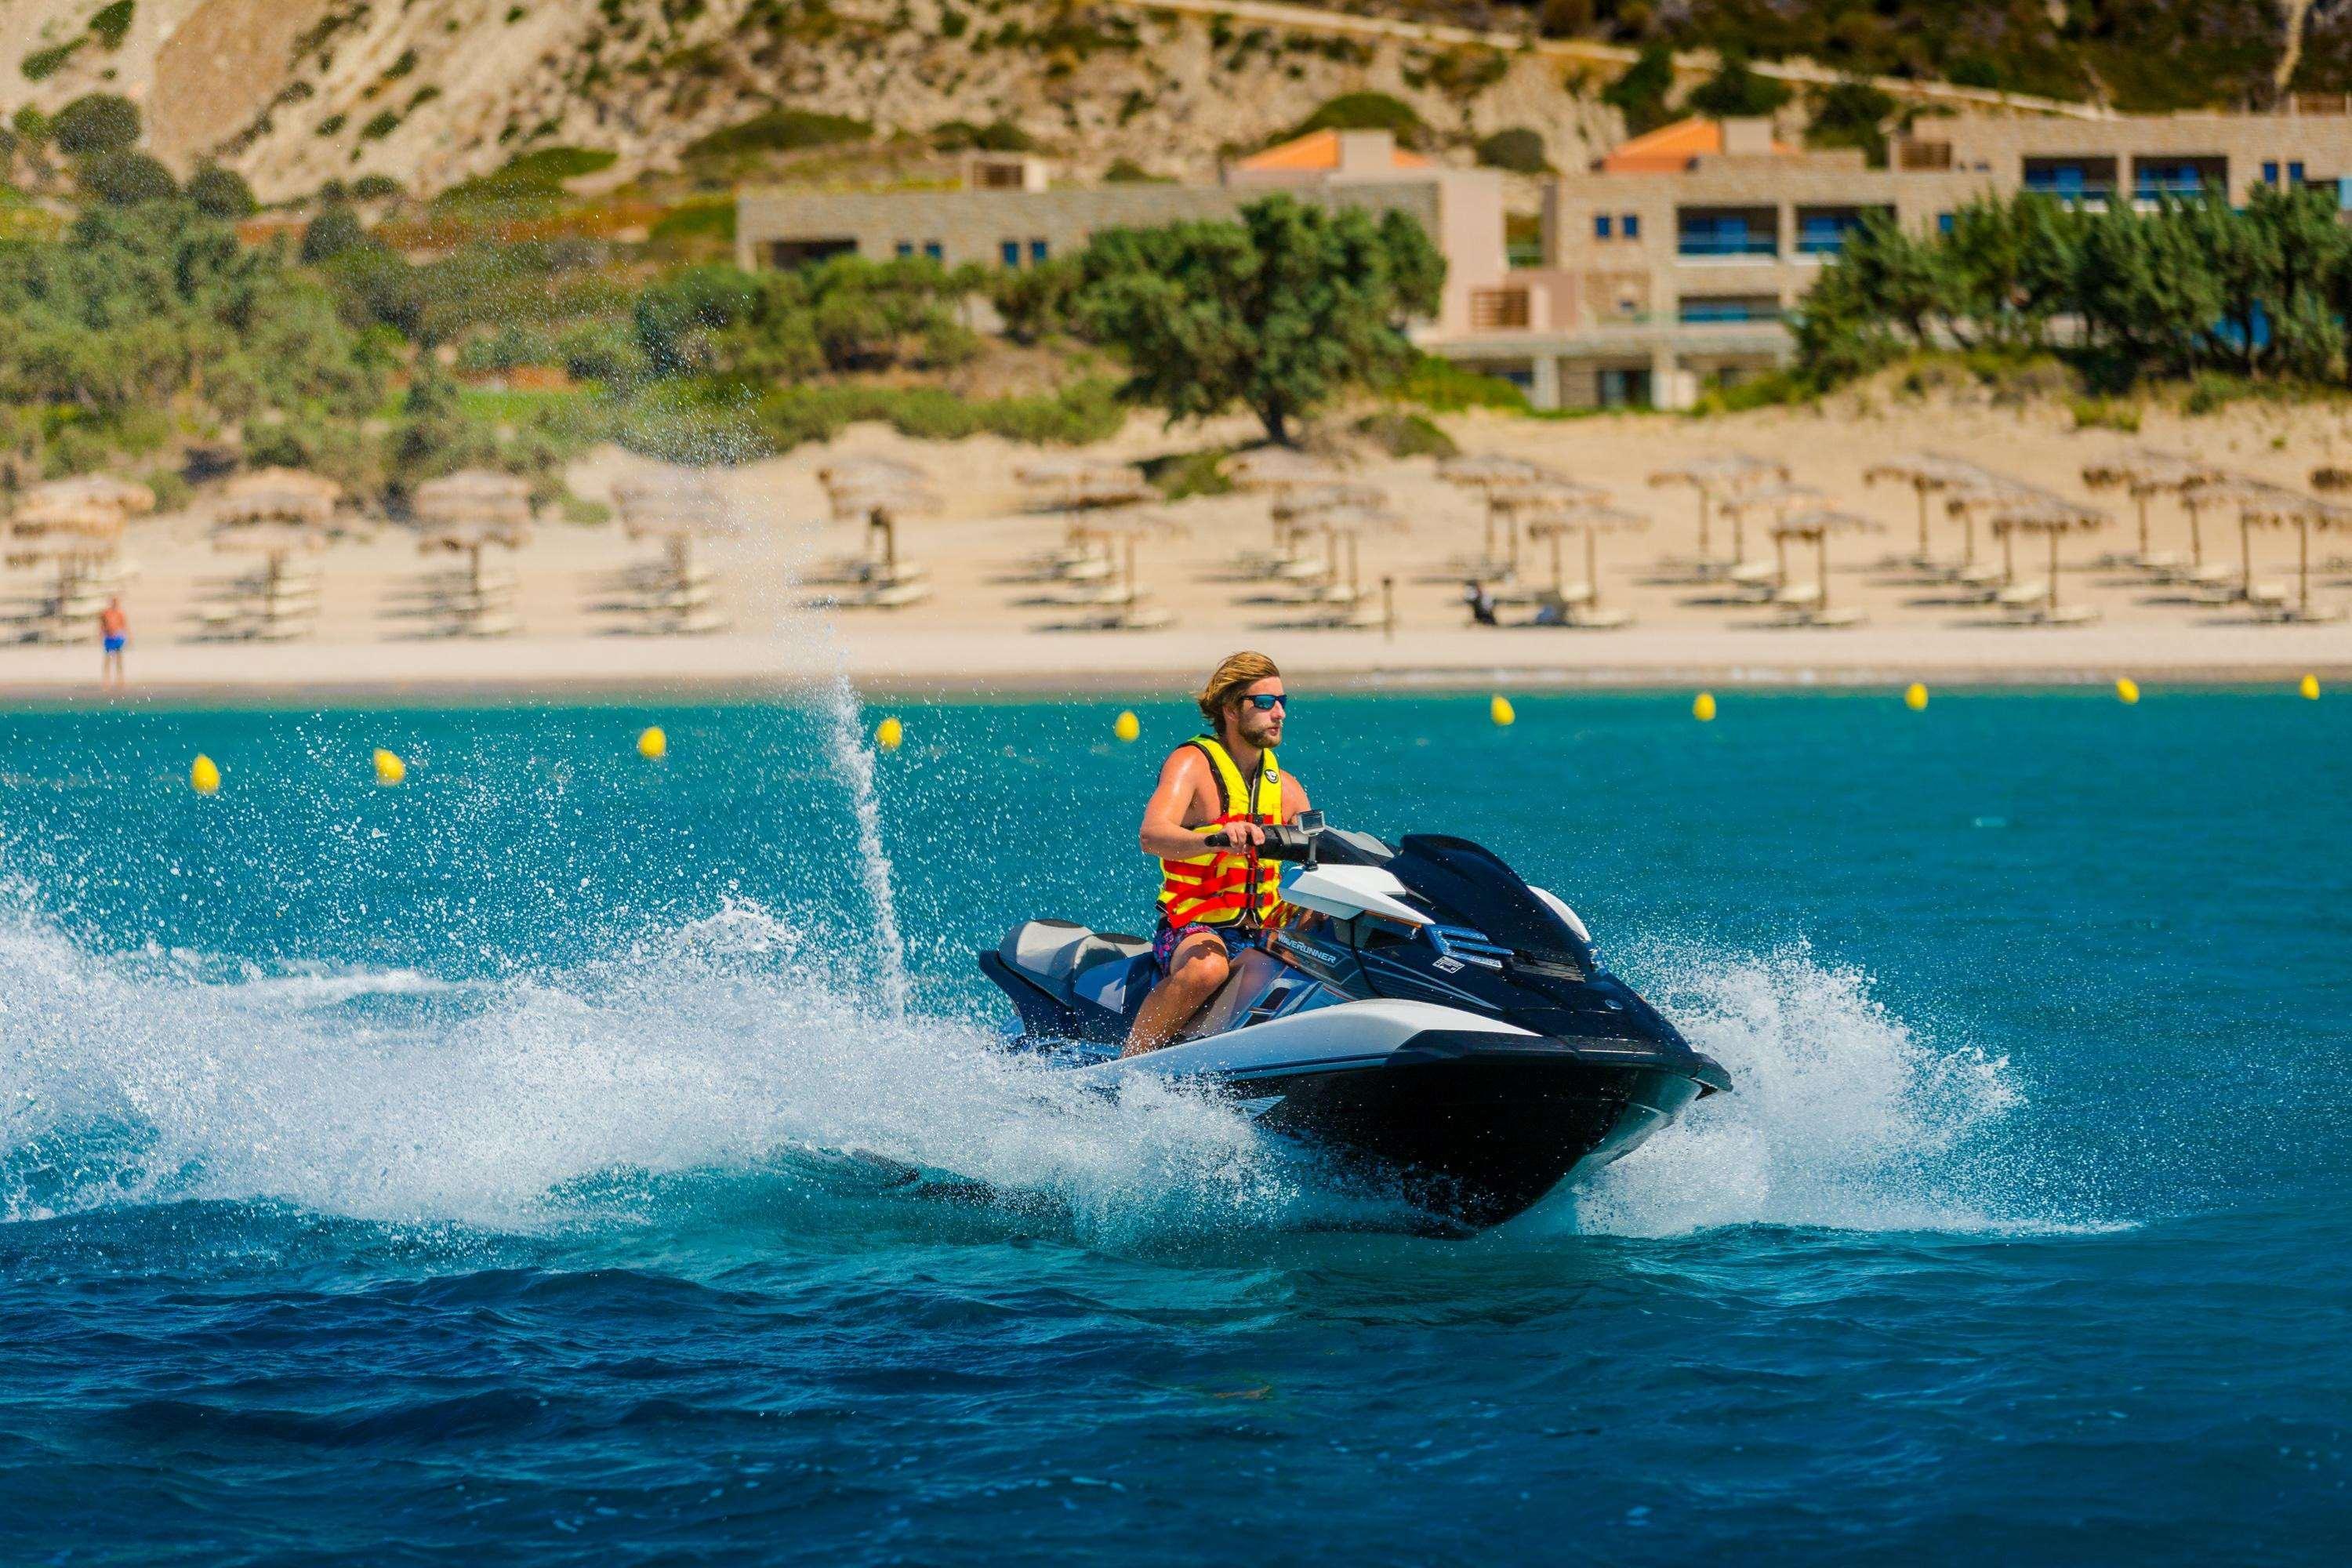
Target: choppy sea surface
568,1159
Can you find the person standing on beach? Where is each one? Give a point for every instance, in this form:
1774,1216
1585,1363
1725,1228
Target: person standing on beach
1223,789
114,637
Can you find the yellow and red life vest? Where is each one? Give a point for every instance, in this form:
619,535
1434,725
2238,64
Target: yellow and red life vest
1223,887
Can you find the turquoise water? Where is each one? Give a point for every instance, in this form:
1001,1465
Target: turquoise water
466,1172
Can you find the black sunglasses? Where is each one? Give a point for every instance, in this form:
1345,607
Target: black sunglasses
1266,703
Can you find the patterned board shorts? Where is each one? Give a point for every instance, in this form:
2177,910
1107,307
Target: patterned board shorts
1164,940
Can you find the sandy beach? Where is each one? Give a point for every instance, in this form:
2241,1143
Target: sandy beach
991,624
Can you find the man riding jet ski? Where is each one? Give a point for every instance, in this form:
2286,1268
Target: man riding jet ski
1419,1011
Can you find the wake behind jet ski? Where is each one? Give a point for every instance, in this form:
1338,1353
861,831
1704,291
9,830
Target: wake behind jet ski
1419,1011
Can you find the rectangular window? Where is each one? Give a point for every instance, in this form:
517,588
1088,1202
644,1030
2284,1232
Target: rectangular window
1629,225
2294,174
1703,310
1600,225
906,248
1036,250
1011,251
1944,222
932,248
2270,174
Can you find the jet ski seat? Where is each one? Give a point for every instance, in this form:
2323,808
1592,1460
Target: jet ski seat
1073,964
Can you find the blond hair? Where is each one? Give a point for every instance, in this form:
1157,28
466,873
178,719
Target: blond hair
1238,672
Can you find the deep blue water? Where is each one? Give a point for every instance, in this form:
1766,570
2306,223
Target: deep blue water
462,1173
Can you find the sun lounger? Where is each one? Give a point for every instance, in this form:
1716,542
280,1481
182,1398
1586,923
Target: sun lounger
896,596
2041,614
1817,618
2022,595
1799,596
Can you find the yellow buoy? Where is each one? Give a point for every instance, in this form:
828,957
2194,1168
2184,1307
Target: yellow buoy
1703,707
653,745
204,777
2127,689
2310,688
389,768
1127,727
1501,711
1916,696
889,734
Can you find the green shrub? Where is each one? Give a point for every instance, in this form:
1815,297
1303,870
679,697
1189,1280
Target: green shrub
531,177
96,122
1773,389
1366,112
1181,475
2106,413
708,220
42,64
375,188
334,231
1083,412
172,489
779,131
1640,93
381,126
1518,150
1404,435
112,24
125,179
1444,387
1128,172
220,192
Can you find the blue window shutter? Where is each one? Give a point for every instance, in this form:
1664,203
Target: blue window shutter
1011,251
1631,226
1036,250
1600,225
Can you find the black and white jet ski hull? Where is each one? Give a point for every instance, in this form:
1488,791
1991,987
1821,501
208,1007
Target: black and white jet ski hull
1477,1119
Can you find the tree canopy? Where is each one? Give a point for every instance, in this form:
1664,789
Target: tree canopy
1277,311
2192,285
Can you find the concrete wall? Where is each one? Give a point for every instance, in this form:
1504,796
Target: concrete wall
1462,210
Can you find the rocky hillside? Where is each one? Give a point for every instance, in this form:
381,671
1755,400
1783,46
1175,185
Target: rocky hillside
295,92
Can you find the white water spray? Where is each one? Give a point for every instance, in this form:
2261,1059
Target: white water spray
846,743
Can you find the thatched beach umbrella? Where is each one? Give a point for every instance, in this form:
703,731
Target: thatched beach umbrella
474,496
1815,526
1277,469
1928,473
1126,532
1773,501
1716,477
678,510
2052,515
1591,519
1079,484
276,521
77,533
851,473
2275,506
122,496
1295,510
2143,472
471,540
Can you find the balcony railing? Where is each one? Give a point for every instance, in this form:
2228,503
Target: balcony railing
2186,187
1720,245
1821,242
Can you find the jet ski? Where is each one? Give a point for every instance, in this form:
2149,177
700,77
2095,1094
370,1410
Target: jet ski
1420,1012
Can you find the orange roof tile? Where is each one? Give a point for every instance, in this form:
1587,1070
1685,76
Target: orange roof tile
1669,149
1317,151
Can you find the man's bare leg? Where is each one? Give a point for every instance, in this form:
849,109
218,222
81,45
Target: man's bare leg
1195,970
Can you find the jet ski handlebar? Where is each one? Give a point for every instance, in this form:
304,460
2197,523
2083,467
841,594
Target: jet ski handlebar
1283,841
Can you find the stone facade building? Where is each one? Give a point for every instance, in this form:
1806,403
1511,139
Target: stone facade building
1671,264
